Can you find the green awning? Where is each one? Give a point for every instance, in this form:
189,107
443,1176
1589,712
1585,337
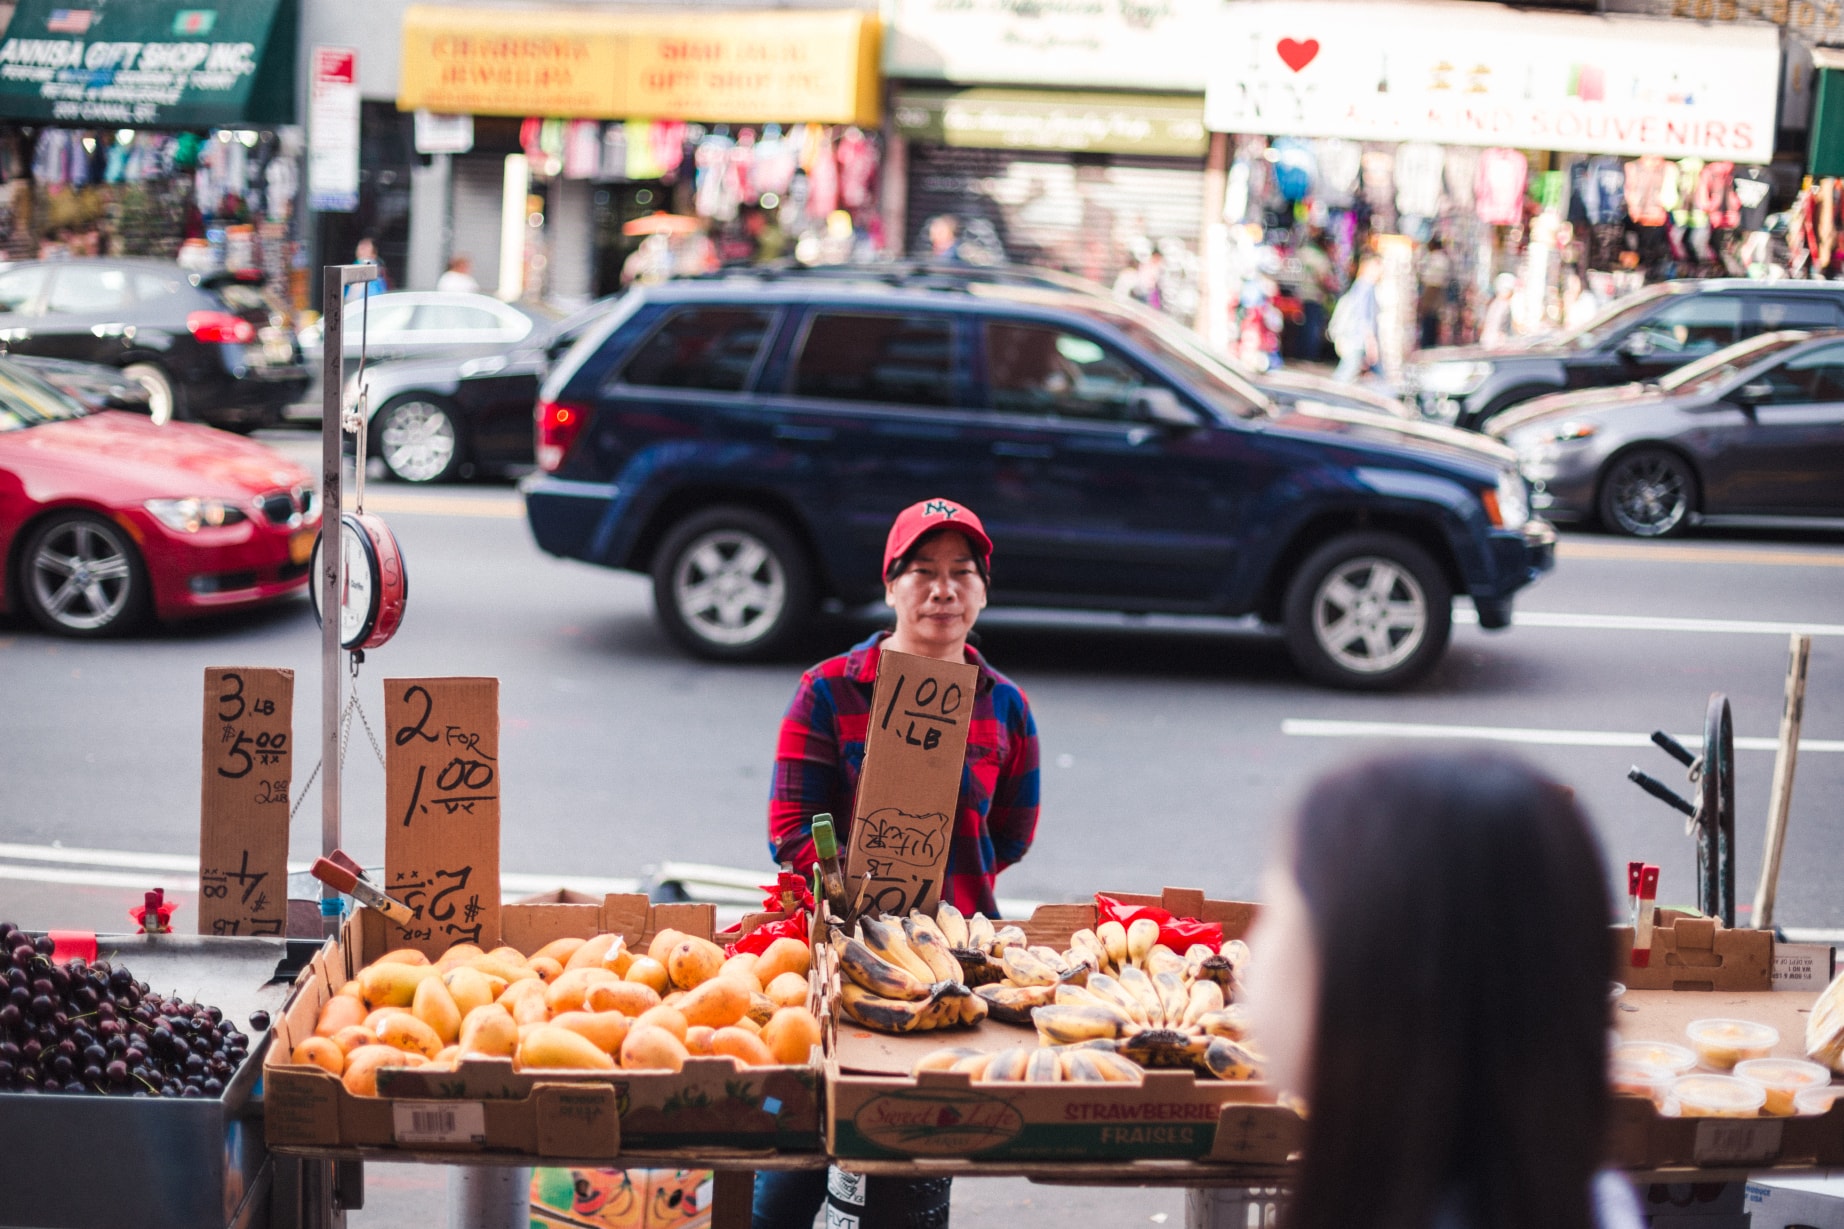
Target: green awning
150,63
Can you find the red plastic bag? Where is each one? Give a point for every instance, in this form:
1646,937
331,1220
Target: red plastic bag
787,883
757,940
1177,933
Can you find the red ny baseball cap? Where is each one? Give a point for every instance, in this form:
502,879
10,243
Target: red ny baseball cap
931,514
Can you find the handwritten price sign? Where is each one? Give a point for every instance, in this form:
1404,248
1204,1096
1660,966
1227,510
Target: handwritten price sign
442,790
910,790
243,815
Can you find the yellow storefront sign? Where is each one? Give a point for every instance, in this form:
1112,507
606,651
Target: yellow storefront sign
814,67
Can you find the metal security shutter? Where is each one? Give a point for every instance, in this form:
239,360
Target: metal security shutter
570,228
477,182
1080,214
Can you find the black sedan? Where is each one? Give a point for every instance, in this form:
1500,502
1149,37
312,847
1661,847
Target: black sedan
210,347
458,415
1753,431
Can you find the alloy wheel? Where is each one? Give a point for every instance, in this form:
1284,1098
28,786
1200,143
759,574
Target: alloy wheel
729,587
418,441
1369,614
82,575
1648,495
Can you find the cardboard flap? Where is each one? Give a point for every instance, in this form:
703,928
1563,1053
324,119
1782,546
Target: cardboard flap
577,1120
626,914
1697,953
1251,1134
243,805
1185,902
530,925
692,919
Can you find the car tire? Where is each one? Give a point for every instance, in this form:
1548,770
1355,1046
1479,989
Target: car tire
165,403
731,584
419,439
1647,493
1367,612
80,575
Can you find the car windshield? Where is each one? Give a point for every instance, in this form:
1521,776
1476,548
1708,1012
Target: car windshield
1610,321
1714,370
27,401
1205,375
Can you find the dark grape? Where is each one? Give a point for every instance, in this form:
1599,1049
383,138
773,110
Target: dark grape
23,955
117,1071
92,1073
32,1047
19,996
63,1065
10,1016
194,1064
213,1087
134,1056
59,979
49,1084
17,977
191,1090
95,1054
45,945
43,1005
9,1050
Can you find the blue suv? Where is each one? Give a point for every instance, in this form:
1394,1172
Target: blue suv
748,444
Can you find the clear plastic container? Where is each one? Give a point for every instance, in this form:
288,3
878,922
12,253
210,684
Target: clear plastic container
1720,1044
1717,1096
1647,1080
1672,1057
1817,1100
1783,1078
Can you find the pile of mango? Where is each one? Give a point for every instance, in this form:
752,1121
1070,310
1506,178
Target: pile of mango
575,1005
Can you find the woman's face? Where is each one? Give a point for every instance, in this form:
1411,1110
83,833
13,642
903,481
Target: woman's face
940,595
1283,982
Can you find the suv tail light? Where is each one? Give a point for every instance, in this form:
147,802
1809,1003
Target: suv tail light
221,326
559,423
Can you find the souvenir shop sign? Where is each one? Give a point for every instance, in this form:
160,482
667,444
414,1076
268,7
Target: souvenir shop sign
1480,74
810,66
1119,44
157,63
1166,125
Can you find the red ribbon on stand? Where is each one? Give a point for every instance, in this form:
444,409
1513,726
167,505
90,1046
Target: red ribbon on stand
775,899
152,916
1177,933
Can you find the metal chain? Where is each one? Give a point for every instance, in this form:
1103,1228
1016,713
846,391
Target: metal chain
345,740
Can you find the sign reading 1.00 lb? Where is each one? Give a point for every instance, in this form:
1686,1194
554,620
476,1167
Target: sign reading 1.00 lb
914,753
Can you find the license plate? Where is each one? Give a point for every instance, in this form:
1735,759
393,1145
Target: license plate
301,546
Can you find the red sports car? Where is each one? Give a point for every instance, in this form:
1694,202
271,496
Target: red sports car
106,518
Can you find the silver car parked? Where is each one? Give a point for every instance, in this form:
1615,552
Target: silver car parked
1751,432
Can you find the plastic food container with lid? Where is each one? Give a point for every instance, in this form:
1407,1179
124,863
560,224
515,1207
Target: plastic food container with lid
1674,1058
1817,1100
1783,1078
1720,1044
1635,1079
1716,1096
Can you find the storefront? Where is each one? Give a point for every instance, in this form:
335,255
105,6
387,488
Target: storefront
152,130
645,145
1575,153
1004,128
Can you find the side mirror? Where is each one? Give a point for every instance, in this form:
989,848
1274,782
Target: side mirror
1637,344
1162,406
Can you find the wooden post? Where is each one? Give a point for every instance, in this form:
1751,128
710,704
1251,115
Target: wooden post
1786,758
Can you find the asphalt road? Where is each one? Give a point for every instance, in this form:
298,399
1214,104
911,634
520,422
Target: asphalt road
1171,748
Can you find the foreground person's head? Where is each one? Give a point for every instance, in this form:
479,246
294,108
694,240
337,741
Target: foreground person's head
1431,973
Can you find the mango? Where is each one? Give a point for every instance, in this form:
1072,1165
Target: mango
788,990
458,955
547,969
510,955
392,984
651,1048
761,1008
406,1032
691,962
489,1030
783,956
590,952
470,988
353,1036
402,955
698,1039
494,967
662,943
322,1052
340,1011
648,972
350,989
436,1007
376,1019
608,1029
791,1035
630,998
559,950
742,1045
718,1003
531,1010
566,993
364,1063
666,1017
550,1047
618,957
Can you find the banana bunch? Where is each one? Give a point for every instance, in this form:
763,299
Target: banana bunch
976,943
901,976
1088,1063
1162,1019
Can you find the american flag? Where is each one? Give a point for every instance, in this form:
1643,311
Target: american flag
69,21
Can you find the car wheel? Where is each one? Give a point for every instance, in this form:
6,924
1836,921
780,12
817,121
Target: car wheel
81,576
1368,611
1648,494
163,403
418,440
731,584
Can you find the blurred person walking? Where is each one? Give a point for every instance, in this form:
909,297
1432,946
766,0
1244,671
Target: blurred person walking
459,276
1353,328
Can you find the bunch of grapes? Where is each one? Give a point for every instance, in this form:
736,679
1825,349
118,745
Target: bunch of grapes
92,1028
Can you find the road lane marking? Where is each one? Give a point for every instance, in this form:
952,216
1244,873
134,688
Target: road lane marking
1652,623
446,505
76,865
1745,556
1304,727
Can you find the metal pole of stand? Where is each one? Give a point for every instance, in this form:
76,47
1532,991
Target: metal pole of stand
1230,1208
489,1196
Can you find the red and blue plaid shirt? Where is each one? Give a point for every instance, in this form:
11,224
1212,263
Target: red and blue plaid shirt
821,753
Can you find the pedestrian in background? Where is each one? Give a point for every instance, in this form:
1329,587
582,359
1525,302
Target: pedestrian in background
459,276
944,240
1430,973
1318,285
1353,328
366,253
1500,324
1436,273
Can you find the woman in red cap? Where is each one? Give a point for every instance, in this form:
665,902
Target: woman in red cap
936,573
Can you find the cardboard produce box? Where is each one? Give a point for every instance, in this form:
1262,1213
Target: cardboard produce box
713,1103
877,1110
1699,970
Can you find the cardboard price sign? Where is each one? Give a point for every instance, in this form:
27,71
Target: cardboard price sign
243,810
441,792
909,791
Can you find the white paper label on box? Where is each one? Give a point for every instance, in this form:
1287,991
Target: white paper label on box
1802,966
1737,1141
439,1122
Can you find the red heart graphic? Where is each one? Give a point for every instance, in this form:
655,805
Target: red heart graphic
1297,55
